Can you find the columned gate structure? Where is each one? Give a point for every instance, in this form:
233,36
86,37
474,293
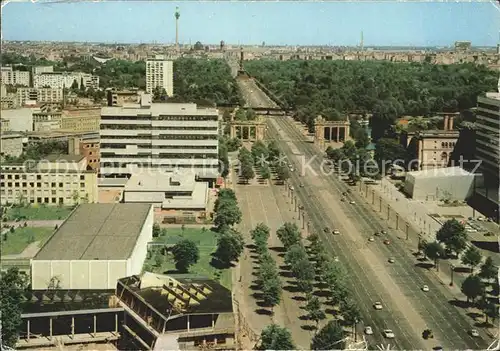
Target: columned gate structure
330,131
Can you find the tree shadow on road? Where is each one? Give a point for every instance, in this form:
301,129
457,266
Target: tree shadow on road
279,249
263,311
462,270
474,315
426,265
292,289
487,245
299,298
321,293
286,274
331,311
460,303
308,327
251,247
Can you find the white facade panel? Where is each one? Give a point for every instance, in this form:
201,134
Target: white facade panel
78,274
136,260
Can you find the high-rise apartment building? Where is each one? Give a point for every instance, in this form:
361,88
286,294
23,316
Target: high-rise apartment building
488,141
40,95
11,77
65,80
162,136
160,73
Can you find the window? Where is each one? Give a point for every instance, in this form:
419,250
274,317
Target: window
82,177
46,200
61,185
32,184
2,176
39,200
9,176
9,184
38,185
53,192
16,176
82,185
24,184
54,200
38,177
53,185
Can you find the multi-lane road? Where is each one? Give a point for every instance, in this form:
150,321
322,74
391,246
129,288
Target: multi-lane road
253,96
407,309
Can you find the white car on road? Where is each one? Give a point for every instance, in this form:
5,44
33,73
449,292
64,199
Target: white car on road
368,331
388,334
352,202
425,288
336,232
474,333
377,305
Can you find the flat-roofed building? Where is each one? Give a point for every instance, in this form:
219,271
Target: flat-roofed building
94,247
56,180
65,80
81,119
165,136
11,77
40,95
117,97
167,190
42,69
46,119
88,148
182,312
488,147
160,73
20,119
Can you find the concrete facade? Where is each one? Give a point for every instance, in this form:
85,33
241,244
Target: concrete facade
11,77
40,95
57,180
90,149
488,134
248,130
165,136
450,183
81,119
64,80
109,243
160,73
167,190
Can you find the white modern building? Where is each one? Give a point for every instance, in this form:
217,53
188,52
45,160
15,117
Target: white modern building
65,80
160,73
11,77
40,95
97,245
435,184
165,136
42,69
167,190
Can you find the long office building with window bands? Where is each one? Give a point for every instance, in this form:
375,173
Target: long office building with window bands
488,145
164,136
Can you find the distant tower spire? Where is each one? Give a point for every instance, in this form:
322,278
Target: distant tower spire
361,44
177,15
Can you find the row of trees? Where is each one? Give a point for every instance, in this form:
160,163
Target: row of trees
246,164
314,264
268,277
451,241
386,89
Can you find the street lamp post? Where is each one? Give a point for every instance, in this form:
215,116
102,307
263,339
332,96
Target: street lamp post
452,270
295,197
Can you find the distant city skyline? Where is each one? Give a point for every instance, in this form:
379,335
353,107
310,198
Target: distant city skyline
251,23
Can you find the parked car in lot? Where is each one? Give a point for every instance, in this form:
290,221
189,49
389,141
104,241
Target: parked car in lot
335,232
388,334
387,242
474,333
352,202
377,305
391,260
371,239
425,288
368,331
326,230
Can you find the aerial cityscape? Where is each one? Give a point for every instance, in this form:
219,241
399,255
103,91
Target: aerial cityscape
250,176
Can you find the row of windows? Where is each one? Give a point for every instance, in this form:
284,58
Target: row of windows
447,145
159,118
164,137
46,200
149,146
481,121
150,127
150,165
488,106
25,177
162,155
38,185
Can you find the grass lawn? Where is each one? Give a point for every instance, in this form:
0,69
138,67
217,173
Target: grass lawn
38,212
206,240
16,242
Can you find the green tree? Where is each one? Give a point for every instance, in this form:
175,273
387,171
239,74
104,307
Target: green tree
159,94
304,271
227,214
74,85
247,172
274,151
185,253
334,154
156,230
282,173
271,292
159,260
250,115
313,308
490,310
240,115
434,251
330,337
294,254
453,235
265,172
472,257
488,269
226,116
288,234
389,151
229,246
12,287
472,287
274,337
350,312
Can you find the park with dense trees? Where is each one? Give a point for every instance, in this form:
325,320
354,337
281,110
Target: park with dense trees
386,89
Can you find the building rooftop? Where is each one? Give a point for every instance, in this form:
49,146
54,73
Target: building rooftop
155,180
440,172
157,109
181,294
97,231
